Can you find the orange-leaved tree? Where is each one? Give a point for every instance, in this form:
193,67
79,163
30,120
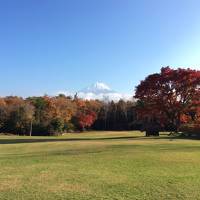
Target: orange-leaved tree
166,96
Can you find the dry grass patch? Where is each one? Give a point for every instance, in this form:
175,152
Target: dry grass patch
69,187
10,184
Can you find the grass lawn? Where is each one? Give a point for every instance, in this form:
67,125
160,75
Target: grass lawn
99,165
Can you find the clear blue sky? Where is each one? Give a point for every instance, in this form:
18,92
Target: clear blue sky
52,45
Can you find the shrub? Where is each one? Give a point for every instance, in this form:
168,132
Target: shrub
56,126
69,127
192,129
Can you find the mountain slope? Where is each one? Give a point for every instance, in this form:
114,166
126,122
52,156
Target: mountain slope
103,92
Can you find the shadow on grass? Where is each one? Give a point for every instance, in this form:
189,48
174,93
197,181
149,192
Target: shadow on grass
112,150
32,140
41,140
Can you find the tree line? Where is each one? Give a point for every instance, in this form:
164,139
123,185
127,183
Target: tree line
55,115
169,100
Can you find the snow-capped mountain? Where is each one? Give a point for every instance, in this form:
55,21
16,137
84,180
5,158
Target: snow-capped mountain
97,88
99,91
103,92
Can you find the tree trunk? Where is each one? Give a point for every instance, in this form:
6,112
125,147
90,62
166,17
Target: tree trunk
178,122
31,128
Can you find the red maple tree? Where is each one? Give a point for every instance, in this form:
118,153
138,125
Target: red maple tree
86,114
86,119
168,95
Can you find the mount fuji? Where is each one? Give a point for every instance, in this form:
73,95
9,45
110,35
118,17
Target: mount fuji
97,88
102,92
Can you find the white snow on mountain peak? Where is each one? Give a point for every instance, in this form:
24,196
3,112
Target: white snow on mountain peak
101,86
101,91
97,88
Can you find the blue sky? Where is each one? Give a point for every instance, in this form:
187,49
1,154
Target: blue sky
53,45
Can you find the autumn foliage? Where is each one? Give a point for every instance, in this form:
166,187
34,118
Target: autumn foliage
169,98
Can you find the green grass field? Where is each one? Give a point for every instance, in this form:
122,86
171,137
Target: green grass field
99,165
